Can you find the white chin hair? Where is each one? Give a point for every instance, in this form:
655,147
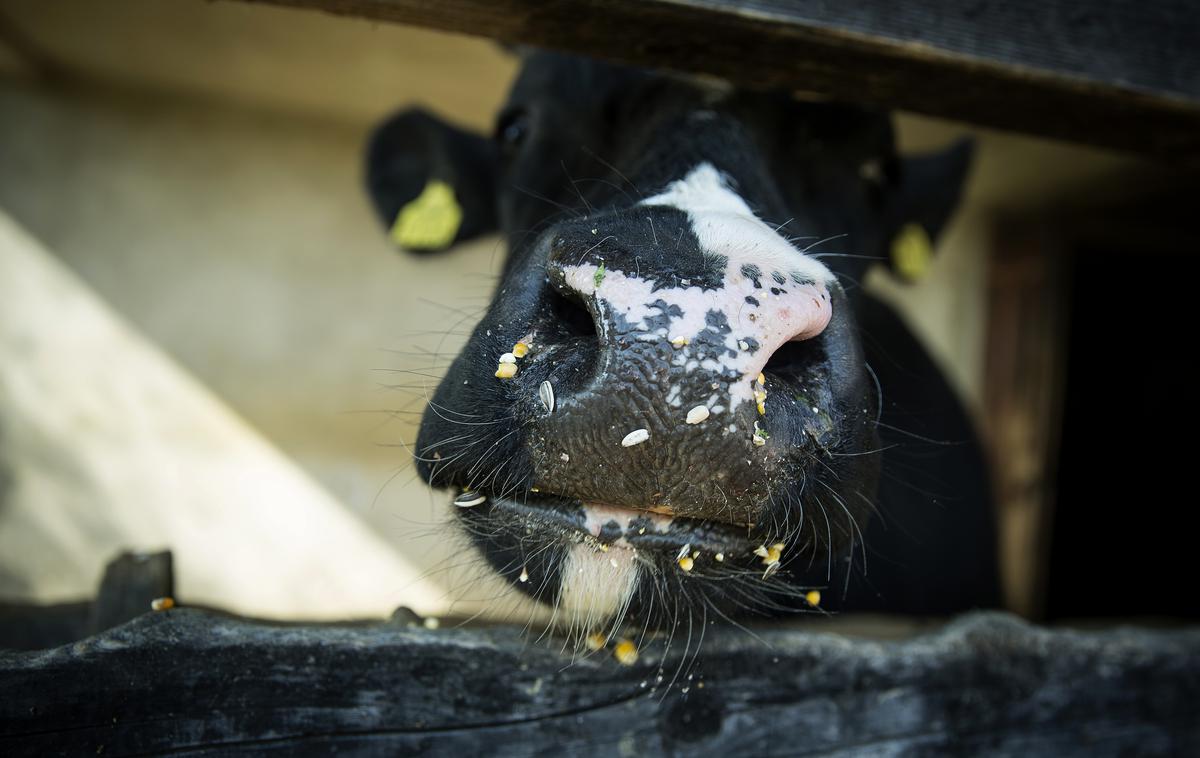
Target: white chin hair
596,589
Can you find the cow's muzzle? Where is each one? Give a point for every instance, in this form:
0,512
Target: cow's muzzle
693,393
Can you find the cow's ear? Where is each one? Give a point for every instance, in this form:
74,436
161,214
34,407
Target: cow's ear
928,190
432,184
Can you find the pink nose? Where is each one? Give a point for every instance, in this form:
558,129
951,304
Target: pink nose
732,329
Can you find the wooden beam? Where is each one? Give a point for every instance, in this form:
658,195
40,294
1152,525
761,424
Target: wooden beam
192,682
1123,74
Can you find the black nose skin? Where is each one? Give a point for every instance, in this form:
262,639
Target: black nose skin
610,383
617,384
711,470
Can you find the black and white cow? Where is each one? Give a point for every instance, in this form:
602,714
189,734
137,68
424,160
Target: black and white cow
675,408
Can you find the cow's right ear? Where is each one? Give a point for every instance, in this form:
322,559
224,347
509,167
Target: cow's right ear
432,184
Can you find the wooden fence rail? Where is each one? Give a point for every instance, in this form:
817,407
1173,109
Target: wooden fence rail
1123,74
188,681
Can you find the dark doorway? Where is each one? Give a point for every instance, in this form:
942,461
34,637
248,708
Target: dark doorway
1123,537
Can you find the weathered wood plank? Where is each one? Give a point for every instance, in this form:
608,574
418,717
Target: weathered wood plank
194,682
1122,74
1023,386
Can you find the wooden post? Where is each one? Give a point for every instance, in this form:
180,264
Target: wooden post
1024,371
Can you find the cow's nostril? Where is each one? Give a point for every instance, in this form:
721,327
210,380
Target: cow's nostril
794,356
571,315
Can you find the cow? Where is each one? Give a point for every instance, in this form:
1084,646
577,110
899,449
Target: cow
680,405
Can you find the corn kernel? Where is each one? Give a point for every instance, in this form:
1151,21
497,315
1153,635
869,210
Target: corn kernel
595,641
770,554
626,652
506,370
546,395
162,603
470,499
636,437
520,350
686,563
813,597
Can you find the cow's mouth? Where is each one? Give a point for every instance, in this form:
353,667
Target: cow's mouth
602,565
609,527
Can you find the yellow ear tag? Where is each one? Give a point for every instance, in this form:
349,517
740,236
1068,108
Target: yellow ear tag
430,221
912,252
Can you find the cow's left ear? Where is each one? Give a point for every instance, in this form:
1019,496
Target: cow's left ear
432,184
928,189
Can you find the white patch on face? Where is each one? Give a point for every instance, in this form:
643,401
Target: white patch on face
725,226
596,587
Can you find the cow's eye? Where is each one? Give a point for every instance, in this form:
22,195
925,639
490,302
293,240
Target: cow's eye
511,129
